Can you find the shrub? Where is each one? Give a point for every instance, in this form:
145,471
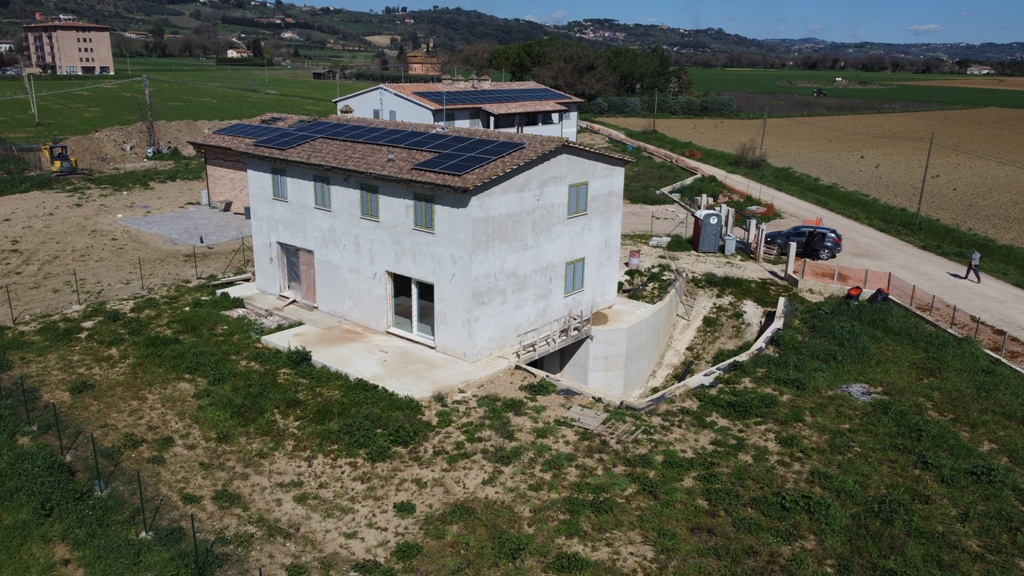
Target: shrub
80,386
407,551
568,563
542,387
404,508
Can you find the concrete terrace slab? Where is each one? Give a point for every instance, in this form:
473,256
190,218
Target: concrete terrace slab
187,226
391,362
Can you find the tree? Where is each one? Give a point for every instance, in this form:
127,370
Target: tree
256,47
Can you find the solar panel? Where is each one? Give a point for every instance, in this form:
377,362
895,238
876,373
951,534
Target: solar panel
453,163
491,96
286,140
249,130
458,154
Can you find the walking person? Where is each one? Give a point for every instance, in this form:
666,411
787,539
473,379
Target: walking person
974,266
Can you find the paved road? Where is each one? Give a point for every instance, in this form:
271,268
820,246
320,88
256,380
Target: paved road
996,302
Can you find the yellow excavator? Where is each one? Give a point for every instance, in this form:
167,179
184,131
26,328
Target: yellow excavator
61,163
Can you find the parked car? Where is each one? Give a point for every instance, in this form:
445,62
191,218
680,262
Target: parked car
830,245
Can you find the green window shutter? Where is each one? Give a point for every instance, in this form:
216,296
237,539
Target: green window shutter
569,282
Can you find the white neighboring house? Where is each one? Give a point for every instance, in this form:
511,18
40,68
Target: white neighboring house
980,70
239,53
526,107
463,263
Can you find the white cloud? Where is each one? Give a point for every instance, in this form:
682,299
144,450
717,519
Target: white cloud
859,35
921,29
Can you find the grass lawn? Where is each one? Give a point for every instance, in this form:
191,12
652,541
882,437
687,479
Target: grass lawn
179,90
773,470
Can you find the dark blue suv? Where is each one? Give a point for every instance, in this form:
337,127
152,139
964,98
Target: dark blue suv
825,242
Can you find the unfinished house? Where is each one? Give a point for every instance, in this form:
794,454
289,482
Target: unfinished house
467,243
525,107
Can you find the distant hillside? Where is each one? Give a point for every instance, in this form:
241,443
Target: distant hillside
453,29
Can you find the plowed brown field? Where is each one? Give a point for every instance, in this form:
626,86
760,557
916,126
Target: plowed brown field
975,176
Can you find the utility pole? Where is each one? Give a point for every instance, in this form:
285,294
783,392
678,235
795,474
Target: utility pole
149,113
35,104
924,179
764,128
654,120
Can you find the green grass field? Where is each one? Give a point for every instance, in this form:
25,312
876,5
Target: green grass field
179,90
861,85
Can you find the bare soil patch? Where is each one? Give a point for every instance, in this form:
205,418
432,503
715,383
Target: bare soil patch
974,177
999,83
125,146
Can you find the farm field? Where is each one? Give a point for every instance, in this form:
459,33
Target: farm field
179,90
945,90
974,177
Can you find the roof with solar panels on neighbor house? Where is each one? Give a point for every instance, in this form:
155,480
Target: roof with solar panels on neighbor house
457,158
494,97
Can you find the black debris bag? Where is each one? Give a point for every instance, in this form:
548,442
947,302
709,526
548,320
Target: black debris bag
880,295
854,293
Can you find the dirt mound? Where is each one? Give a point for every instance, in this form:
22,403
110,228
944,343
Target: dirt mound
120,146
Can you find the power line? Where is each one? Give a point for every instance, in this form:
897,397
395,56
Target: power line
90,87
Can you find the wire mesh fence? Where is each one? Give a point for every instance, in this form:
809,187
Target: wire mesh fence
146,513
86,283
943,313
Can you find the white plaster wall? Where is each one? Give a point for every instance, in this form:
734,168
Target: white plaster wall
496,259
522,239
406,110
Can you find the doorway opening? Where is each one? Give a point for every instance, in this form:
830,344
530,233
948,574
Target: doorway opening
299,278
412,306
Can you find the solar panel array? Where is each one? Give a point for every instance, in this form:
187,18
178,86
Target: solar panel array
489,96
457,154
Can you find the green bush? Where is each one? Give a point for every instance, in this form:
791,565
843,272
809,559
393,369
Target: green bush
407,551
404,508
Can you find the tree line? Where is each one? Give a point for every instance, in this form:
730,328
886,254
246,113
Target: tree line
582,69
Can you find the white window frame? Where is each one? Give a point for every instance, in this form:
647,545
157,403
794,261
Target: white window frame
322,192
578,197
279,184
423,212
369,202
574,272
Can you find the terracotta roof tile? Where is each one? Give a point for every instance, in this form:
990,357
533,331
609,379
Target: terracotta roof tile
409,91
392,162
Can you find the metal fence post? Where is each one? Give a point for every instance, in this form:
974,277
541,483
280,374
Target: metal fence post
24,400
932,307
913,290
866,273
56,420
142,504
96,463
1002,351
952,321
195,545
977,327
78,292
142,282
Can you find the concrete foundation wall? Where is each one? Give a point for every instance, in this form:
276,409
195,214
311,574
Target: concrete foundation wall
620,356
227,178
496,257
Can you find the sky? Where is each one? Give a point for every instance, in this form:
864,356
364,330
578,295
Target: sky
890,21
